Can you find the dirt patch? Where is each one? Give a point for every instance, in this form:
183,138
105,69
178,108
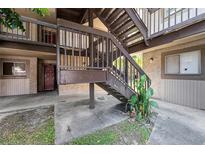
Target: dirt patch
33,126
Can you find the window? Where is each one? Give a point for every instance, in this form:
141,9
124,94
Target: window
190,63
172,64
14,68
183,63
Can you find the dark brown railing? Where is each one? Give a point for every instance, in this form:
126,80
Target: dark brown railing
81,48
36,32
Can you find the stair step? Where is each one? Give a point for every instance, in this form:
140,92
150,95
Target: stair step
116,13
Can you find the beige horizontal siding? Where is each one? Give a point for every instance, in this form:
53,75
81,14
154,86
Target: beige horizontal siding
14,87
184,92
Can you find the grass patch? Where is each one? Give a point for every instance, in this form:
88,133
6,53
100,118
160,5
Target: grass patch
44,134
34,126
126,132
98,138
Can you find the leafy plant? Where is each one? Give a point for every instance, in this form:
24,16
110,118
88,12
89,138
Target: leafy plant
11,19
141,103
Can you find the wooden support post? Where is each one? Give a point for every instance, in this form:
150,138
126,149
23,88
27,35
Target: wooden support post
58,57
92,96
91,61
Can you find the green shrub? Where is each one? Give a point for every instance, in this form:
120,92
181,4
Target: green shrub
142,104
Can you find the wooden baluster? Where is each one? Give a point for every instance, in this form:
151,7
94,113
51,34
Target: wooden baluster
65,41
92,51
65,52
126,70
51,35
112,56
30,31
134,79
97,48
116,50
86,47
123,68
58,55
65,61
73,60
107,48
80,48
120,64
103,52
77,52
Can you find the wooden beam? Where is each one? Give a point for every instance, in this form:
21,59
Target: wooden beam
23,45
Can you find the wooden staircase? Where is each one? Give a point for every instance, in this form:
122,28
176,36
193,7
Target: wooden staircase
124,24
87,55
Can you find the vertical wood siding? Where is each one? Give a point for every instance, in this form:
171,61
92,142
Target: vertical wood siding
184,92
14,87
20,86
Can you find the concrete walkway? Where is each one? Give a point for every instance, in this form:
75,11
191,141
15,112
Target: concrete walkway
15,103
178,125
76,119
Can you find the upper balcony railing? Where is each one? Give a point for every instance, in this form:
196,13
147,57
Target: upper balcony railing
36,32
167,19
158,22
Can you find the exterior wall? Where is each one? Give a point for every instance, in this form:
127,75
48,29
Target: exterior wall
19,86
183,90
76,89
98,25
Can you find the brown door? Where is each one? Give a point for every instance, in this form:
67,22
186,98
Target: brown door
49,77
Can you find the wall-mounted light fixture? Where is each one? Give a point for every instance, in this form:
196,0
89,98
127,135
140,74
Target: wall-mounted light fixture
151,60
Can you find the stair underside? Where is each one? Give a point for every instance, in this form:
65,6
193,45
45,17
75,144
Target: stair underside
103,78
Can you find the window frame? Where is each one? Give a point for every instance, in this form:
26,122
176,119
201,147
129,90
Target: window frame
13,76
179,54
